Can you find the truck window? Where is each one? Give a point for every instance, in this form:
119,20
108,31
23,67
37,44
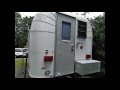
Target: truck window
18,50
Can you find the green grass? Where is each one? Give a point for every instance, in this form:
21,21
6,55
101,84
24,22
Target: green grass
18,63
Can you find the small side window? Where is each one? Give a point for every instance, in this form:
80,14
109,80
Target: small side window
82,26
66,31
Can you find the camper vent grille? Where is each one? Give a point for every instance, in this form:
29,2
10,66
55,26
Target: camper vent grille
82,26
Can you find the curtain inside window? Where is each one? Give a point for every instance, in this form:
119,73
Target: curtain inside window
66,31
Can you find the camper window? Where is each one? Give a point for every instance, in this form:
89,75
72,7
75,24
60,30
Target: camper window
66,31
82,29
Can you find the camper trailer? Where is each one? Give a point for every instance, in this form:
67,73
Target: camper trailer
60,43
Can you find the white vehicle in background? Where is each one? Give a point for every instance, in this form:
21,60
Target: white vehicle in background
19,52
25,50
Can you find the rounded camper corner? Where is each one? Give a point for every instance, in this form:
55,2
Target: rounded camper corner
41,44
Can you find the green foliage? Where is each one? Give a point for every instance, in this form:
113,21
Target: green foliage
18,19
22,26
98,25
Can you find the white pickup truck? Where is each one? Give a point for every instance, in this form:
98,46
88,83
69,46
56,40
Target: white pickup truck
20,52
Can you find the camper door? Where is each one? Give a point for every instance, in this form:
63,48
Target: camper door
65,45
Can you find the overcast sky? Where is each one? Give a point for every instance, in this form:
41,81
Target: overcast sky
90,15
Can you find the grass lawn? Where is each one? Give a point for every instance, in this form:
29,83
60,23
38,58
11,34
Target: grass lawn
18,63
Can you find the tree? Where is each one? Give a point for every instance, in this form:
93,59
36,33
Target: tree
18,20
21,32
98,25
26,24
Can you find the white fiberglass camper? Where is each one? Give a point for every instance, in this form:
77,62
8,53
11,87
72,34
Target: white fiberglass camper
60,43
